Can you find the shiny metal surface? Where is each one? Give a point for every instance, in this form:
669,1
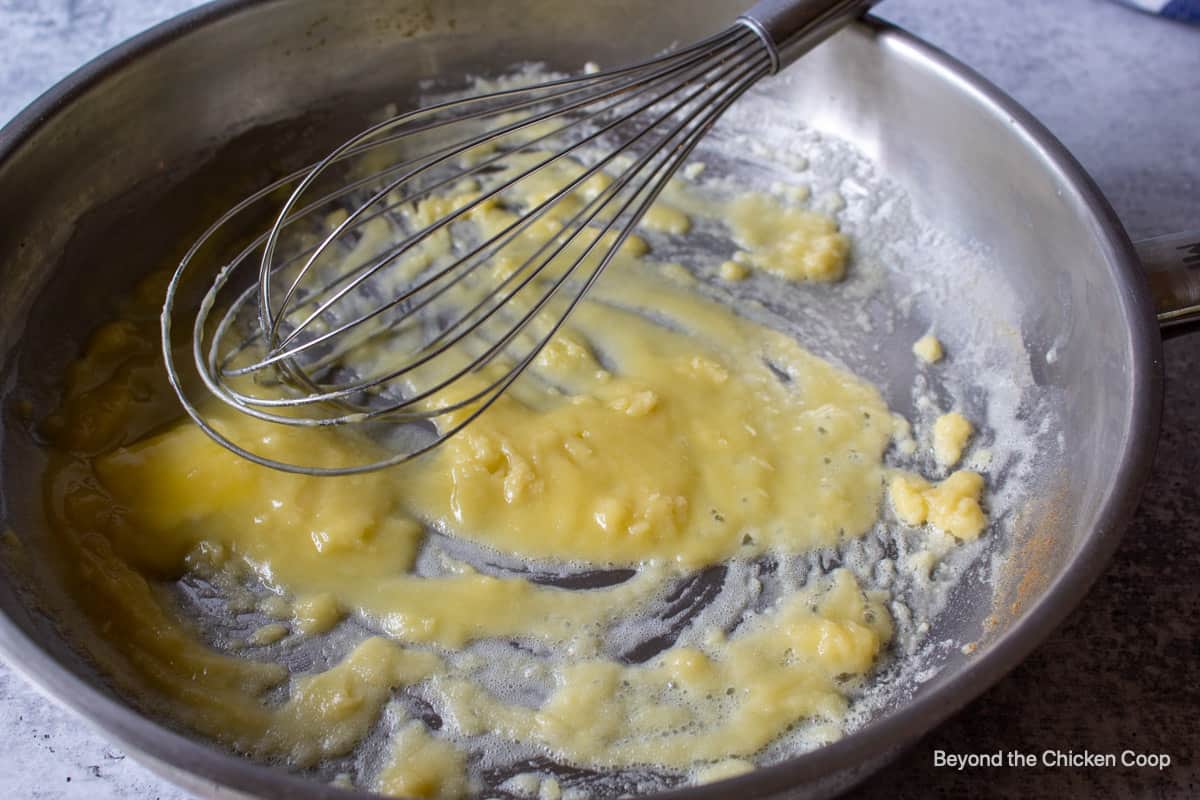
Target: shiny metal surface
213,88
793,27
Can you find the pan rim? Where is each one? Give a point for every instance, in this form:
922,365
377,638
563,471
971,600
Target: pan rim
184,760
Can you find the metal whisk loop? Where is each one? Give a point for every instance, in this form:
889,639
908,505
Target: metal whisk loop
420,268
490,245
280,349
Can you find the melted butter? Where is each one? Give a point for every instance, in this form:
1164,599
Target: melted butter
328,713
680,454
742,694
144,645
952,505
733,271
268,634
728,768
951,432
344,538
792,243
317,613
423,765
665,218
929,349
658,431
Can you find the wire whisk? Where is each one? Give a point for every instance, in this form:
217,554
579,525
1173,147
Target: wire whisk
415,272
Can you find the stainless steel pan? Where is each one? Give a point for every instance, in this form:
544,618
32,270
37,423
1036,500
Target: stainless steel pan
107,162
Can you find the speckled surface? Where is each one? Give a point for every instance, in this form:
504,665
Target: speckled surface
1122,90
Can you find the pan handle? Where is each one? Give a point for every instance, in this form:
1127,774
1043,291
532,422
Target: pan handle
1173,266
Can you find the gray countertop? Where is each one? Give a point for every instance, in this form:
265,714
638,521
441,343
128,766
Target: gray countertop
1122,91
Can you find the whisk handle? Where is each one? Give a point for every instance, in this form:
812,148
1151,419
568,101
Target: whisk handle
790,28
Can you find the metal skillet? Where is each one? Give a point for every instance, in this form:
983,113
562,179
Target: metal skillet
112,153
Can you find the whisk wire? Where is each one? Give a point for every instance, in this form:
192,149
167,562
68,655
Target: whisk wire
311,346
579,223
458,213
365,146
599,203
282,351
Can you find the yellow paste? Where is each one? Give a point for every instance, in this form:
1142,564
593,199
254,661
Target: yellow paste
663,446
951,432
730,768
952,506
784,668
423,765
733,271
268,634
792,243
929,349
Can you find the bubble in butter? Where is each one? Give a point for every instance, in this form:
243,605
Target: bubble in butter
660,434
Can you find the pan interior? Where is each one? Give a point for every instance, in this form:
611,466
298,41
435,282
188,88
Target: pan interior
956,228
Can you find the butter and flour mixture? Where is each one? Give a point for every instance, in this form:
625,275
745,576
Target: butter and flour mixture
617,579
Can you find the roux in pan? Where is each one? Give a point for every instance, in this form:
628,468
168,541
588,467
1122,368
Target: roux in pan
659,437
